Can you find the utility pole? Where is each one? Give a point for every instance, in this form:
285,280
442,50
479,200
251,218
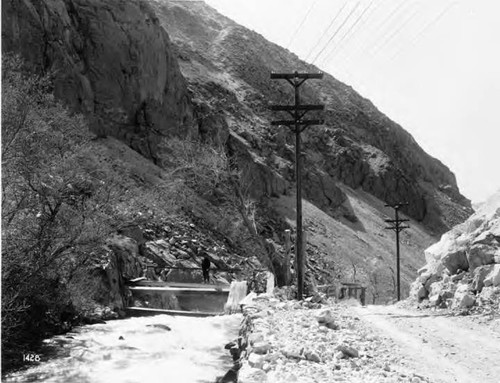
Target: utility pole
397,227
297,124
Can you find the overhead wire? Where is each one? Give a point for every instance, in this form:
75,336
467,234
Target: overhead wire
326,30
380,27
355,33
429,25
336,32
301,23
353,25
390,37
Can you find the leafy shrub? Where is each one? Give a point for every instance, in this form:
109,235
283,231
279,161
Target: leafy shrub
54,214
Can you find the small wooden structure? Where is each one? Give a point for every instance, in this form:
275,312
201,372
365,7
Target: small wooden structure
353,290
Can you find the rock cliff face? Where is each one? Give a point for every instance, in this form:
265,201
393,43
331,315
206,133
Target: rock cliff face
358,146
111,60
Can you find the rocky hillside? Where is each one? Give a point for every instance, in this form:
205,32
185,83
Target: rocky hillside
144,71
463,268
358,146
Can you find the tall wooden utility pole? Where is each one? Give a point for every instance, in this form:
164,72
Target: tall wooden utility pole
397,227
297,111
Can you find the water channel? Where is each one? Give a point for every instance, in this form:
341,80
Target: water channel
161,348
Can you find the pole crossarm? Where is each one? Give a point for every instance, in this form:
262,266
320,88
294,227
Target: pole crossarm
290,76
300,122
397,205
290,108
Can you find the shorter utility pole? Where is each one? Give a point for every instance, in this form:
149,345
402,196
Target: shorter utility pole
286,262
397,227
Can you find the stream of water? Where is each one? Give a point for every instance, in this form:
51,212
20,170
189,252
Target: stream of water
162,348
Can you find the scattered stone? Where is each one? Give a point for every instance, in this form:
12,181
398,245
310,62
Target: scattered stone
291,353
340,355
261,347
312,356
255,361
160,326
249,374
350,352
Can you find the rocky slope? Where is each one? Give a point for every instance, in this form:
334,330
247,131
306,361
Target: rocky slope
463,268
357,145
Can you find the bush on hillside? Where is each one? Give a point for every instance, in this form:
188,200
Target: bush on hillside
54,214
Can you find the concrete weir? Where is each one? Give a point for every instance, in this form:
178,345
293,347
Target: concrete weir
187,299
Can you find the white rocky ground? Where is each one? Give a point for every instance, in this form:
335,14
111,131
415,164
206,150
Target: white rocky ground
349,343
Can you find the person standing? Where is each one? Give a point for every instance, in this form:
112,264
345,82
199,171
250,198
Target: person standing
205,267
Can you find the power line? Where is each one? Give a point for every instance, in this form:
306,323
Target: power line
326,31
353,25
301,23
372,11
395,32
336,32
380,26
425,29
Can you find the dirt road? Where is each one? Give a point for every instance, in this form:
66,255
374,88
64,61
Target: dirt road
442,348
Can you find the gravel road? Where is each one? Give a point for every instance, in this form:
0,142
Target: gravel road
442,347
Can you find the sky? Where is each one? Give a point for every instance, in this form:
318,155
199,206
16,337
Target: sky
433,66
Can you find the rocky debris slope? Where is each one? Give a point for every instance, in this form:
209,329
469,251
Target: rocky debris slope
291,341
357,146
463,268
111,60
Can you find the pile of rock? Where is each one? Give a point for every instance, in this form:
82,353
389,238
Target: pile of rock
463,268
287,341
179,246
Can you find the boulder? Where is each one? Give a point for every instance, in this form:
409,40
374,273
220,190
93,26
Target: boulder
433,280
479,276
312,356
493,278
348,351
435,288
418,291
261,347
255,361
455,261
291,353
248,374
479,255
159,252
463,298
487,295
127,252
325,318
